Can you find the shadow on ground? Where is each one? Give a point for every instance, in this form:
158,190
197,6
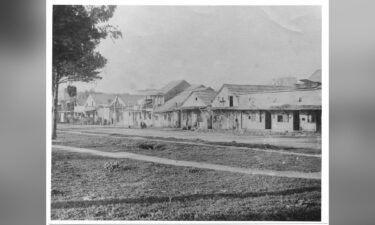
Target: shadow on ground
182,198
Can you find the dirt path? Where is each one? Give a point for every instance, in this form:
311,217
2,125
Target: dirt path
290,174
313,142
194,143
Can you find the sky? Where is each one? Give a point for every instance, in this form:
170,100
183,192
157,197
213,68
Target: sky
208,45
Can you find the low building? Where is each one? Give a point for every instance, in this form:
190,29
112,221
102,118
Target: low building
97,108
226,104
126,111
157,97
289,110
196,109
169,114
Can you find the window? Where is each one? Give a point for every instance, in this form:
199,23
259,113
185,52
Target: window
196,99
279,118
249,117
230,101
260,117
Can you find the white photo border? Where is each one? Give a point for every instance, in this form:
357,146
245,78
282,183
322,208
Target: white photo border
325,98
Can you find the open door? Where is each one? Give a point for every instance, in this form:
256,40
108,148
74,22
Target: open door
296,120
267,120
209,122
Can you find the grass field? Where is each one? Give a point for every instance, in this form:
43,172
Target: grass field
87,187
246,158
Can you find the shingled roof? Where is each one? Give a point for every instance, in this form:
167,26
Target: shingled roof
238,89
171,85
315,77
283,100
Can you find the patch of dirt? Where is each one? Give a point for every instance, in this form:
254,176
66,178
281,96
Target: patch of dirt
151,146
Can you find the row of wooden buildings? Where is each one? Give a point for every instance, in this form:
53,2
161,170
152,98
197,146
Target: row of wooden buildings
187,106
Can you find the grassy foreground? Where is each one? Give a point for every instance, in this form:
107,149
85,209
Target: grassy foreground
87,187
225,155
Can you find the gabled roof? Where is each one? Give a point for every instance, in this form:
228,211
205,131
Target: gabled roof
315,77
129,99
80,100
175,102
164,90
102,99
206,95
238,89
171,85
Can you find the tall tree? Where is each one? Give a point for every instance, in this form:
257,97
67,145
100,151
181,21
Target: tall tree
77,30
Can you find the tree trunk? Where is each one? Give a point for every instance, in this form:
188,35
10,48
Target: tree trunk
55,105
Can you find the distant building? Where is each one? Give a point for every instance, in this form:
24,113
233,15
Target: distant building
126,110
226,104
196,110
169,114
97,107
289,110
155,98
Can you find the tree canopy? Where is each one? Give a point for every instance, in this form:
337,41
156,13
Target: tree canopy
77,30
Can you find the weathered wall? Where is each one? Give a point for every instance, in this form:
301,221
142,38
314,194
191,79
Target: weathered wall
285,125
253,120
193,101
166,119
307,122
195,119
222,99
226,119
127,116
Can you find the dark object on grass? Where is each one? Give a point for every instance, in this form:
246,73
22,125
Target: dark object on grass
112,165
116,166
150,146
195,170
57,192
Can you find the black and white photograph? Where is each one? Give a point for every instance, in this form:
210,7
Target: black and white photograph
187,112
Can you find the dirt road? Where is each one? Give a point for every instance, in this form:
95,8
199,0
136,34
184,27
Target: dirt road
202,165
313,142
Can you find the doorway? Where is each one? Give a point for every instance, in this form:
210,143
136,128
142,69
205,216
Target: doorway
318,121
296,120
209,122
267,119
